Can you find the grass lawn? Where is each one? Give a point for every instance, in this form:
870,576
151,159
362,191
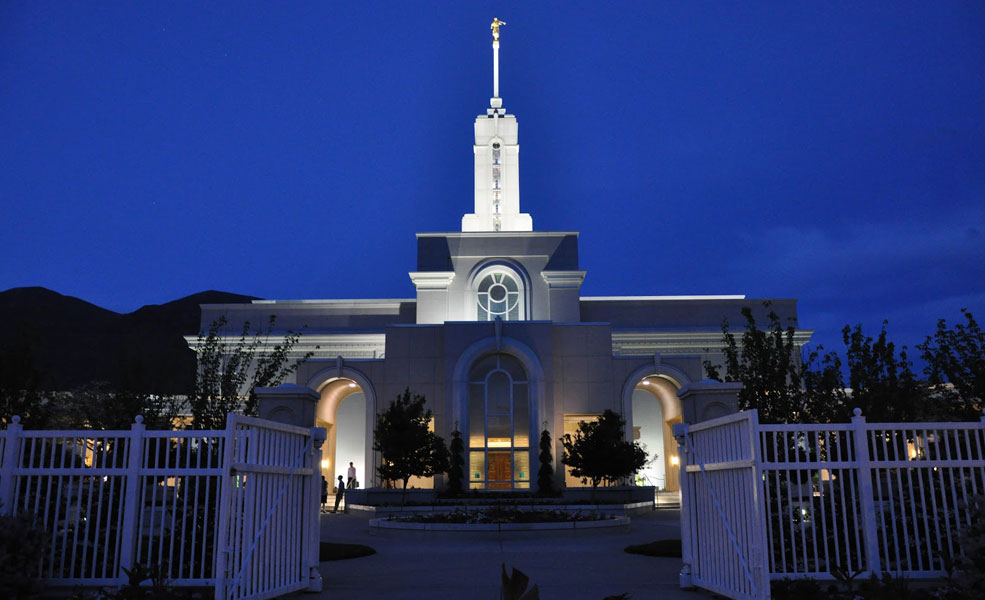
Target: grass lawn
664,548
329,551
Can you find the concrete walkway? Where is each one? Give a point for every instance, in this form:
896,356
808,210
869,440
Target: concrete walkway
565,565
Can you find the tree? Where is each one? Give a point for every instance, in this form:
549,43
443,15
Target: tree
100,406
545,474
229,373
956,367
407,446
456,467
20,387
777,381
598,451
881,380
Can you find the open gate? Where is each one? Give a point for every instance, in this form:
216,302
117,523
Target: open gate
723,528
268,516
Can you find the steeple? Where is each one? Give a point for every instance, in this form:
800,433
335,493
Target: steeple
497,173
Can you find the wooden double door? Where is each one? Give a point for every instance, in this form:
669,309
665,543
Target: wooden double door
500,475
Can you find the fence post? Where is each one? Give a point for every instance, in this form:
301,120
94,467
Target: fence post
867,508
759,558
222,545
687,505
11,456
131,500
313,495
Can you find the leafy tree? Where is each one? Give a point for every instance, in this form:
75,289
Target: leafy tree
20,388
777,381
99,406
955,368
881,380
456,467
406,445
545,474
229,373
598,451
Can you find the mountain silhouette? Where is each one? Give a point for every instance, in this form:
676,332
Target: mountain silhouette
73,342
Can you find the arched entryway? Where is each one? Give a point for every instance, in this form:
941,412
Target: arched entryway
346,402
498,390
651,407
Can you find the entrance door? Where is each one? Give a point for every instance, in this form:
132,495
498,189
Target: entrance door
500,472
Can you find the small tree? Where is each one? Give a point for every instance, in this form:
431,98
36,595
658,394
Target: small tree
882,383
545,474
783,386
406,445
228,374
456,467
955,368
598,451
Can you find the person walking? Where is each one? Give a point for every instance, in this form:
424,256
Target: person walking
339,493
352,477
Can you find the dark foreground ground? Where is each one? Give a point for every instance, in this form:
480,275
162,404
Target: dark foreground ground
565,565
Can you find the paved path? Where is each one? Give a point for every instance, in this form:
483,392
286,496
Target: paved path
464,565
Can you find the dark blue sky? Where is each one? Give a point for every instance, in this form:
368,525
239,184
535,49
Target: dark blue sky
833,152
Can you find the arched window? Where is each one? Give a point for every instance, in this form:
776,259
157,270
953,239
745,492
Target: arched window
499,424
499,295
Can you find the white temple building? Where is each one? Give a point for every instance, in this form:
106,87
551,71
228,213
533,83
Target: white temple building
497,336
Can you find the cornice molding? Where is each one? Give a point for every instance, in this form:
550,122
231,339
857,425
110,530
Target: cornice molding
667,343
346,345
563,279
432,280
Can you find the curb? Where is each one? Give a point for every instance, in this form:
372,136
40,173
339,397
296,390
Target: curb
381,523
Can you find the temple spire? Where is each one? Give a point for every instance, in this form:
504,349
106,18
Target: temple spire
496,101
497,175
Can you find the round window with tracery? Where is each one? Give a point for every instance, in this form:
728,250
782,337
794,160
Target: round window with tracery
498,296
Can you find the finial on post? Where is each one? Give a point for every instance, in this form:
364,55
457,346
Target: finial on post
495,28
496,101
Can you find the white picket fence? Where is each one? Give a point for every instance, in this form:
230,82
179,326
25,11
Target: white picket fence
236,509
771,501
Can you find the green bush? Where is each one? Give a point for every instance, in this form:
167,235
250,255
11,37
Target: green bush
22,548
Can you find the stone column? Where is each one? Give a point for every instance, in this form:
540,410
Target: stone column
707,399
289,404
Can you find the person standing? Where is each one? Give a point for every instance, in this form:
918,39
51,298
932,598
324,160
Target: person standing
339,493
352,477
324,492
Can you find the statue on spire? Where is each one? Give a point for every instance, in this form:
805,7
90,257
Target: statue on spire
495,28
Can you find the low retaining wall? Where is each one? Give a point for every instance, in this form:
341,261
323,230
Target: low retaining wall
601,496
497,527
609,509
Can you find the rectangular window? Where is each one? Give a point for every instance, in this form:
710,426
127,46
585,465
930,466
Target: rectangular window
521,416
571,427
477,416
499,431
477,468
521,460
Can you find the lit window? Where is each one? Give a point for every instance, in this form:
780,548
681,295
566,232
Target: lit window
498,295
499,424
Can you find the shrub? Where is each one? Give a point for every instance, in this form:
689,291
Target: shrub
545,474
22,547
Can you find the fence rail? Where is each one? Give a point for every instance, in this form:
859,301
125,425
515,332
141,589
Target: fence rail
869,497
174,500
833,498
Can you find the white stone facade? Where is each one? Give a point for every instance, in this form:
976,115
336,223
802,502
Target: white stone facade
501,343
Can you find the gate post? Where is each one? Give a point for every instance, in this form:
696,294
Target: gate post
11,456
687,506
759,553
867,510
221,545
131,499
313,495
